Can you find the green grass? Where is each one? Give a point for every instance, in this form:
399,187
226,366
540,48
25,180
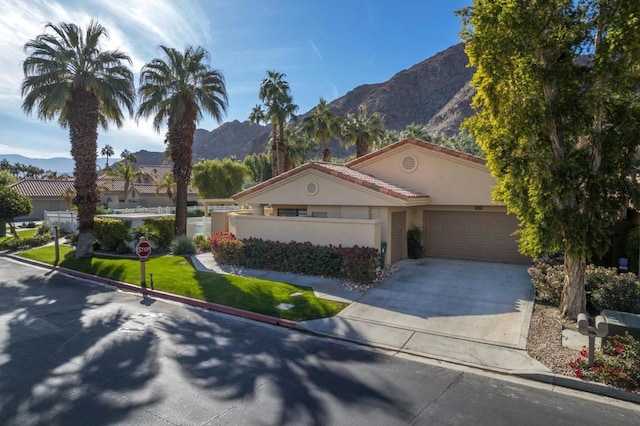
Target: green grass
22,233
175,274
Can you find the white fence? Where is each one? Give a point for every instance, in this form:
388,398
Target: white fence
67,221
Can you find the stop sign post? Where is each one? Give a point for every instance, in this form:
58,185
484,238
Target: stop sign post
143,249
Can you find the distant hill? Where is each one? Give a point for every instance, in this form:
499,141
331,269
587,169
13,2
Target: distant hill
435,93
58,164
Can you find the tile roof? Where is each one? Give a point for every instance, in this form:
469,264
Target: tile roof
343,173
53,188
42,187
156,172
422,144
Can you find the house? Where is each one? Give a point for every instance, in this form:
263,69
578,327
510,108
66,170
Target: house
48,194
373,200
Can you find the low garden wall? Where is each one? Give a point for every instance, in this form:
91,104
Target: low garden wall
318,231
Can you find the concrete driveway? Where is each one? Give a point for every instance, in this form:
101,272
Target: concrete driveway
479,301
477,313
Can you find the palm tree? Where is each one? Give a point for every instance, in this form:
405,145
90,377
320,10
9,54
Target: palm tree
167,184
256,117
179,89
416,131
275,94
299,143
363,130
126,171
321,125
107,151
67,75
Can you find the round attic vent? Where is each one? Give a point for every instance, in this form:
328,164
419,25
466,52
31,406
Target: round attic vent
312,188
409,163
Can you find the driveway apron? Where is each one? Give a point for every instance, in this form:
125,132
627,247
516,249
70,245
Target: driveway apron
478,301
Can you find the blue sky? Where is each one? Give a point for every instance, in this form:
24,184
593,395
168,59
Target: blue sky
325,48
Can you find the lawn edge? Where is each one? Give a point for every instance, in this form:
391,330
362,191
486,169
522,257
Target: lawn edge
216,307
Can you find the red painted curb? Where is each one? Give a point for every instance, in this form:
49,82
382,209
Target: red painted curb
163,295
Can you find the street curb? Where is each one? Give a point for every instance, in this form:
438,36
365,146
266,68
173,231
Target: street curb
547,378
162,295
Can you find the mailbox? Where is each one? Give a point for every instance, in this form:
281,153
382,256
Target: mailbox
583,324
602,328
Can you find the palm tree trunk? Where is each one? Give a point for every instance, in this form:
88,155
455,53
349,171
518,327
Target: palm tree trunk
326,153
181,137
83,132
282,150
362,148
274,149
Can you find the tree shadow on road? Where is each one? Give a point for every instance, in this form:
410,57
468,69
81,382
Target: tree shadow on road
299,375
63,356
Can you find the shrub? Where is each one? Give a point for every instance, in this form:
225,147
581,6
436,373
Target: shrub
548,279
14,244
145,231
195,213
182,246
356,264
44,229
30,225
164,230
201,243
102,210
359,264
610,290
618,364
112,234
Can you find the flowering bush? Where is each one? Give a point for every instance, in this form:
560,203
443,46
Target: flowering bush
548,280
618,364
226,248
356,264
359,264
610,290
606,289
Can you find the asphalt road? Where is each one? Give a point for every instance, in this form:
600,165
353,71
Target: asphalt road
74,353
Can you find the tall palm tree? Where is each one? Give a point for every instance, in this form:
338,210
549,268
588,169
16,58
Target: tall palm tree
180,88
321,125
107,151
275,94
363,130
67,75
256,117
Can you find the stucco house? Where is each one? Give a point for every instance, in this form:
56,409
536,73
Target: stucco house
47,194
376,198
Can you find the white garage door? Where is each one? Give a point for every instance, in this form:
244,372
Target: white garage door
472,235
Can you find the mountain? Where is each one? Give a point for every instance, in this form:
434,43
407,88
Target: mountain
435,92
61,165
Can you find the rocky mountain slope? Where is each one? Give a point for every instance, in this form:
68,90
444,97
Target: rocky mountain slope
435,93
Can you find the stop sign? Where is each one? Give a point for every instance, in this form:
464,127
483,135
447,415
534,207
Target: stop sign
143,249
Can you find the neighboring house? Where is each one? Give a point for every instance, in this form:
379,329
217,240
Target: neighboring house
47,194
373,201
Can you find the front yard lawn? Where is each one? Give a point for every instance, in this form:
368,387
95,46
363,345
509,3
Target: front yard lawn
175,274
22,233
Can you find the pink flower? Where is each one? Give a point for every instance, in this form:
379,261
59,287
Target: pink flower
584,352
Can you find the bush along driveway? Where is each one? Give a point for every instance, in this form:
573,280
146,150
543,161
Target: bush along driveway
176,275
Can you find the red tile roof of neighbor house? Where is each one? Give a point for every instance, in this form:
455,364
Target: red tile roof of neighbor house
156,172
45,188
422,144
53,188
346,174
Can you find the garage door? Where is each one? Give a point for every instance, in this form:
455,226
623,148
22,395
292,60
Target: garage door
476,235
398,236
